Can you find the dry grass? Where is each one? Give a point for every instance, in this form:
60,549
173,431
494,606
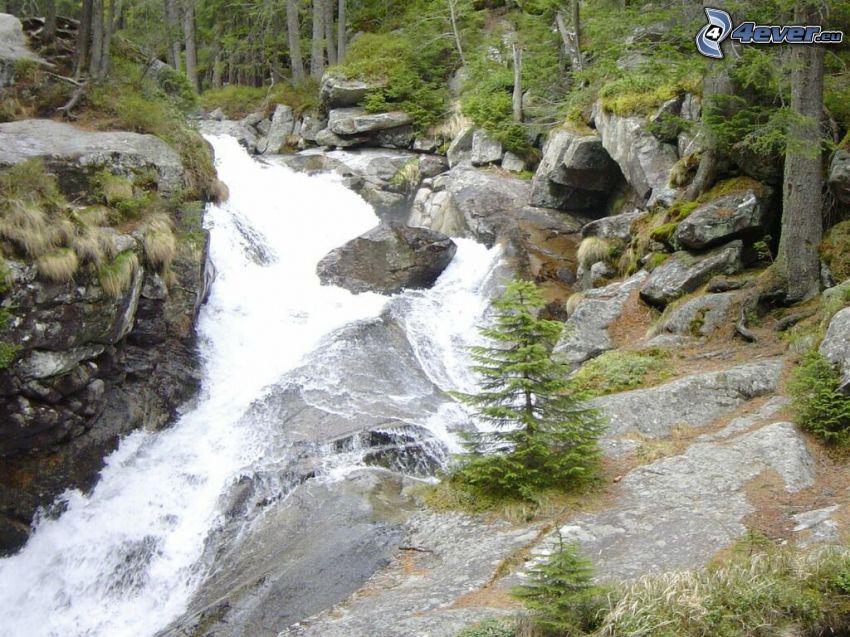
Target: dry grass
573,303
115,278
59,266
28,227
219,191
114,188
160,244
453,126
593,250
89,244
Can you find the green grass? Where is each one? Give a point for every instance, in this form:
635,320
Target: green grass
621,370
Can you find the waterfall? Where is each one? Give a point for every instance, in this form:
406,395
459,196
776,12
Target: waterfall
125,559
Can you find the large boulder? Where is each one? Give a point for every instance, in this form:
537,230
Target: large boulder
613,227
839,175
700,316
356,121
684,272
460,149
338,92
281,128
388,259
643,159
72,153
741,214
836,346
575,173
485,149
13,48
466,202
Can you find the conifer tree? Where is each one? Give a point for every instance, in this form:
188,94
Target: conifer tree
542,436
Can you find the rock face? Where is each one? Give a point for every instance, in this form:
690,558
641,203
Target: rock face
736,215
388,259
684,272
279,131
70,152
585,334
644,160
460,149
839,175
354,121
466,202
13,48
836,346
701,316
576,173
338,92
91,369
613,227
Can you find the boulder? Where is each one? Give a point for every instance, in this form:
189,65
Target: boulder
466,202
513,163
575,173
743,214
460,149
356,121
72,153
485,149
684,272
281,128
644,161
13,48
338,92
310,127
836,346
613,227
585,334
700,316
388,259
839,175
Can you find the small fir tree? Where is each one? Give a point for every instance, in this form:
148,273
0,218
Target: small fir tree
542,436
561,594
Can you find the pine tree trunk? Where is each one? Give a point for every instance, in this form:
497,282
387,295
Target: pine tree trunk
49,31
713,86
83,40
577,33
340,32
330,39
317,52
293,31
517,95
109,28
453,18
797,261
570,44
189,40
172,23
97,36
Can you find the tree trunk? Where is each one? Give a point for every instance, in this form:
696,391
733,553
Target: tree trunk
172,23
797,261
455,31
293,31
577,33
330,42
189,40
569,42
83,40
49,31
713,87
317,55
517,95
340,31
109,28
97,37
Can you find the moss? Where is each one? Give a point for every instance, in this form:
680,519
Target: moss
621,370
656,259
640,92
8,353
664,232
731,186
698,322
835,250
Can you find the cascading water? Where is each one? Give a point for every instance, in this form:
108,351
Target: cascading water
125,559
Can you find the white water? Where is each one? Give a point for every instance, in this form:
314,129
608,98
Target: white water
125,559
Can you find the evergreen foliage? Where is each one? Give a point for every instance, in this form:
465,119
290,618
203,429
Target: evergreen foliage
543,436
818,404
562,595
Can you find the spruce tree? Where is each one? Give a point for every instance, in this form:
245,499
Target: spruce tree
542,436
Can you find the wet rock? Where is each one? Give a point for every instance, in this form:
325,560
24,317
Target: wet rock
839,175
485,149
743,214
644,161
44,364
311,126
684,272
337,92
677,513
279,131
836,346
701,316
585,334
575,173
693,401
244,134
388,259
613,227
72,153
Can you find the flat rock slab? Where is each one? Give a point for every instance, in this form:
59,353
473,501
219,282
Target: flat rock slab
452,554
693,401
586,331
677,513
60,145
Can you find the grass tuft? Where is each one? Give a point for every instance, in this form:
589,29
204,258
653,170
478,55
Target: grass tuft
115,277
592,250
58,266
621,370
160,244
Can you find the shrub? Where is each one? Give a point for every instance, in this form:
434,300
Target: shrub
592,250
115,277
620,370
818,405
58,266
8,353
